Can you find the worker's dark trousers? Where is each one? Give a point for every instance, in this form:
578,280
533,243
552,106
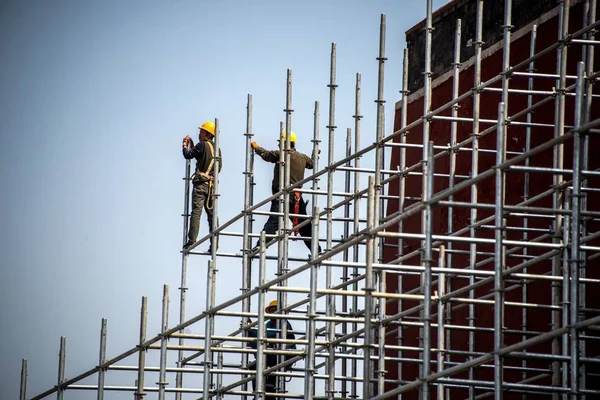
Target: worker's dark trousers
199,202
273,221
270,380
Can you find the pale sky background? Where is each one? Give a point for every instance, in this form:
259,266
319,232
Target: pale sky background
94,100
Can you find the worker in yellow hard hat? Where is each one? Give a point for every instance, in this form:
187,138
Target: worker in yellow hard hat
298,163
203,178
272,332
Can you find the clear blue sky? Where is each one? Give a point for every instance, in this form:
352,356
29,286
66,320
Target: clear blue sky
94,100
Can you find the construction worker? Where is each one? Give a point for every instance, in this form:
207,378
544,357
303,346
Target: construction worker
203,178
298,163
271,333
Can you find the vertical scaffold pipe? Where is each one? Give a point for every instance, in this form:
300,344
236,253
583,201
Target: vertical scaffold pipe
452,170
282,205
259,393
381,334
183,286
380,130
378,207
499,260
346,254
162,374
588,57
474,172
500,233
219,376
575,236
355,252
330,309
558,163
426,96
427,261
61,367
315,156
139,393
526,180
101,360
283,258
309,374
566,277
247,240
402,195
23,390
369,289
214,240
209,321
441,329
425,167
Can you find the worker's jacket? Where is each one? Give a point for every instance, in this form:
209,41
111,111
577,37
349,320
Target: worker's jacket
273,333
298,163
203,157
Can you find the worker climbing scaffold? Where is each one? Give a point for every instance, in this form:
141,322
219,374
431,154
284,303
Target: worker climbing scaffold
203,178
272,332
299,162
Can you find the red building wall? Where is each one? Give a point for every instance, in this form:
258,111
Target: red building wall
539,319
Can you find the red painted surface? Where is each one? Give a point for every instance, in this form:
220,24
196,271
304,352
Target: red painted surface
539,292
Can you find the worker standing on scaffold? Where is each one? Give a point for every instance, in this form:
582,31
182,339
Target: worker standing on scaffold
203,178
298,163
271,333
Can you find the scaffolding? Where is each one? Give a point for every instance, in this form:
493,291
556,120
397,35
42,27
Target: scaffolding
350,328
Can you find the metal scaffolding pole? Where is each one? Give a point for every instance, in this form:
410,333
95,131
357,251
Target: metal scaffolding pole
379,132
330,370
345,274
102,360
402,187
283,256
247,240
184,258
211,277
441,315
369,289
310,371
23,388
139,394
61,367
451,179
164,326
575,238
499,257
356,222
259,393
474,172
525,236
426,285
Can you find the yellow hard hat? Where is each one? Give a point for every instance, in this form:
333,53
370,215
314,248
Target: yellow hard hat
292,136
273,303
209,127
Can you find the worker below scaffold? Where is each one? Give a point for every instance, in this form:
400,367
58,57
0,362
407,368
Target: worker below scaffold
203,178
272,332
298,163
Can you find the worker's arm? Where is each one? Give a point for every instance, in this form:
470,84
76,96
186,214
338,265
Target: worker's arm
194,152
309,162
268,155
